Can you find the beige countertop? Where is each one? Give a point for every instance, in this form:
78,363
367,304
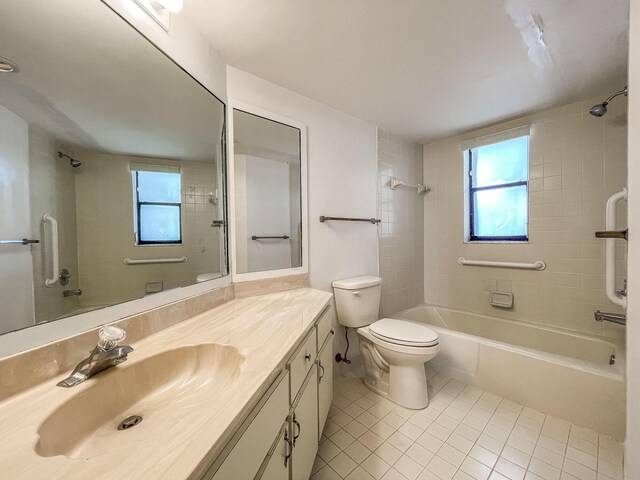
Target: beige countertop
265,329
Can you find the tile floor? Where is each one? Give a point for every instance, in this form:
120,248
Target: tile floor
464,434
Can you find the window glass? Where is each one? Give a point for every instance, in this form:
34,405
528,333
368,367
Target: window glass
503,162
498,197
159,223
159,187
156,207
500,212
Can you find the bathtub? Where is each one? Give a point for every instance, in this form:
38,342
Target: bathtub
561,373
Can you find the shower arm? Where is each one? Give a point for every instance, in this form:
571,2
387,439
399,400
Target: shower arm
624,92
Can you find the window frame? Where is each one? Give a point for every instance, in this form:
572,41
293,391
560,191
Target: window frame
471,205
138,239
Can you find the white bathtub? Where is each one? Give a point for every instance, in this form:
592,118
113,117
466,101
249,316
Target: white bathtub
558,372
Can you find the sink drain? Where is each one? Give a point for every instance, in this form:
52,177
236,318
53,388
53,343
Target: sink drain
129,422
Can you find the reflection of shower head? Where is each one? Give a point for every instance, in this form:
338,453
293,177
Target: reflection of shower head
72,161
601,108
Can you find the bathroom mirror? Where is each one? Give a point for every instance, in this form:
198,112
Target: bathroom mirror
269,181
112,165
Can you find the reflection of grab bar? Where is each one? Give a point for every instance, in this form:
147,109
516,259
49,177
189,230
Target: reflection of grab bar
129,261
537,265
54,250
281,237
610,249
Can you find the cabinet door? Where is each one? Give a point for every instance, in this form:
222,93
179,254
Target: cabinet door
280,459
304,427
325,384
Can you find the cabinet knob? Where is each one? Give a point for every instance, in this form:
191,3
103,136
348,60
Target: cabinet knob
332,331
307,356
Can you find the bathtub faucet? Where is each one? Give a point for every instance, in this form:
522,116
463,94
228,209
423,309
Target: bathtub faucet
619,318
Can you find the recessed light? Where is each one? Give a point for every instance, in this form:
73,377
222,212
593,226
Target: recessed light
6,66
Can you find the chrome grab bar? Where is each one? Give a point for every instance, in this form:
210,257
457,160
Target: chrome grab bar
281,237
621,234
348,219
24,241
619,318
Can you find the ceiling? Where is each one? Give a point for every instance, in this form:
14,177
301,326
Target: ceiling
90,80
425,69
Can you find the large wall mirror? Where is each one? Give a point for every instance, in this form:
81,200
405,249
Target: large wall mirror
112,165
269,182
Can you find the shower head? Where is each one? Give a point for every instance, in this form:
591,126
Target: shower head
600,109
72,161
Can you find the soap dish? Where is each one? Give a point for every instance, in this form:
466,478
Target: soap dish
501,299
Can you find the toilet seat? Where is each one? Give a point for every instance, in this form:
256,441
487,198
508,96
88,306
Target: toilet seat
402,332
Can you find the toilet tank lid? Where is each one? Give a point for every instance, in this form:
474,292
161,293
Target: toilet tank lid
357,282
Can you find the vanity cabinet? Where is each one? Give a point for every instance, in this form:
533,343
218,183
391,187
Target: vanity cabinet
325,383
277,463
304,427
279,439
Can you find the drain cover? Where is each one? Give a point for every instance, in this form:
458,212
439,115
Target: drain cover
129,422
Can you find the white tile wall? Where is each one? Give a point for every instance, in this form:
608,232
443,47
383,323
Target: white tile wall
576,162
105,230
52,190
401,231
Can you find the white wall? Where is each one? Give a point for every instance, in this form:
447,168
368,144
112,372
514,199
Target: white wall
342,157
632,445
576,161
342,177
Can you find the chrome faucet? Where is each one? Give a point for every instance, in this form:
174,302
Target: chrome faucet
106,354
619,318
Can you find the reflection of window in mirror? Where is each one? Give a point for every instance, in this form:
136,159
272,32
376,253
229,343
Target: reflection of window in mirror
156,205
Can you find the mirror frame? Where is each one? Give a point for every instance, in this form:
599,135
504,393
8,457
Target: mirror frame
19,341
304,268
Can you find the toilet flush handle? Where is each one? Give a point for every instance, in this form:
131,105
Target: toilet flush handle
356,293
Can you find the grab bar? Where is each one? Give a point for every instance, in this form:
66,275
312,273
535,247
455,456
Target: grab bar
395,183
610,248
281,237
24,241
129,261
55,265
348,219
537,265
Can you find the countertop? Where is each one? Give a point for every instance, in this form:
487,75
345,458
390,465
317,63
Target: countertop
265,329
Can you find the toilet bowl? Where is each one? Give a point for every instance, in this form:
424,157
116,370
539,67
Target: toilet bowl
394,351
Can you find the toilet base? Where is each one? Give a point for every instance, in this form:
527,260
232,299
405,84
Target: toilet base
404,385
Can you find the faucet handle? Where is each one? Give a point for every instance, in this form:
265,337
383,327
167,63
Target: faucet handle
109,337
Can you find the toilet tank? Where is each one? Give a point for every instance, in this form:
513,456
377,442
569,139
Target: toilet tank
357,300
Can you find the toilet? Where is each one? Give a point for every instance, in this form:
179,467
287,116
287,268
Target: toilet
394,351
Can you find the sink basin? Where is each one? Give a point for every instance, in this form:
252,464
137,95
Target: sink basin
166,390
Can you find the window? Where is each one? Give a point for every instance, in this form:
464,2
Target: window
156,205
497,194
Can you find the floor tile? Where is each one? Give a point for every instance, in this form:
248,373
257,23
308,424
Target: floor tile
463,434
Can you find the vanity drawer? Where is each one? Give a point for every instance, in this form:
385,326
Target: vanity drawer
265,421
324,325
301,362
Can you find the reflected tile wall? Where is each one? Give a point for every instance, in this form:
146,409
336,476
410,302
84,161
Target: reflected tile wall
576,162
401,232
